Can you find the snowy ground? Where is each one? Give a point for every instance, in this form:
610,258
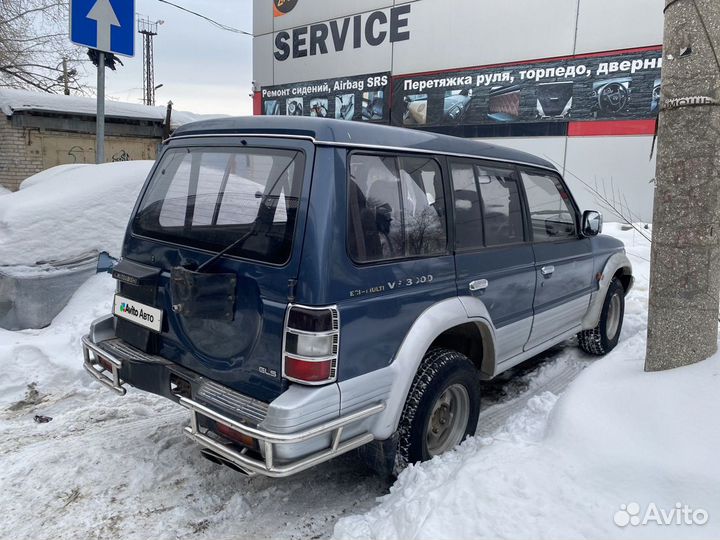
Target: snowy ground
548,461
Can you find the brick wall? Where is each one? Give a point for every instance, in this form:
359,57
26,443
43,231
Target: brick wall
18,157
25,151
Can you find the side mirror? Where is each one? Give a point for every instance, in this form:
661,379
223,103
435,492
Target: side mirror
592,223
105,263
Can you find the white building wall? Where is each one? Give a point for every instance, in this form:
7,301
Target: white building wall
618,168
447,34
465,33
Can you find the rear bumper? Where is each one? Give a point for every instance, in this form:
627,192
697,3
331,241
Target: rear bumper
281,454
270,441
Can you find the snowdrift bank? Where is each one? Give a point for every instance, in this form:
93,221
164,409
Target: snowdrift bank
51,358
68,210
563,467
62,171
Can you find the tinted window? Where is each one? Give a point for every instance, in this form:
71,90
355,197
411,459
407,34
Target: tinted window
395,208
468,215
501,206
210,198
551,214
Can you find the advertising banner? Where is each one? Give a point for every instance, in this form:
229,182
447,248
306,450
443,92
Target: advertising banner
609,87
361,97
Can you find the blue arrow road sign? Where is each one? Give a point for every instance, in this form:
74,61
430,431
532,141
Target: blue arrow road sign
105,25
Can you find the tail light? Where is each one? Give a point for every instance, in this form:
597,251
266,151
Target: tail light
310,349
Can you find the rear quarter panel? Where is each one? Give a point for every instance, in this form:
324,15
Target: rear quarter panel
378,303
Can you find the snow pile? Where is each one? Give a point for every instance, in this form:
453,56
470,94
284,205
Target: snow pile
22,100
4,190
52,172
617,440
63,214
50,358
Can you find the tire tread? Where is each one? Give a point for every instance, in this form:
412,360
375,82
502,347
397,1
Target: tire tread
433,362
591,341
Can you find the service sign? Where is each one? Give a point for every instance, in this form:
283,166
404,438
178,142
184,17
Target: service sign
608,87
362,98
355,32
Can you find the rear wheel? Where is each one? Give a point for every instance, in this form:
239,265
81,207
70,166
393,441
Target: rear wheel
604,337
441,409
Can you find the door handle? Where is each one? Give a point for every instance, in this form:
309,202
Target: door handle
547,270
479,285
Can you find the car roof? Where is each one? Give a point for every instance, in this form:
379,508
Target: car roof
325,131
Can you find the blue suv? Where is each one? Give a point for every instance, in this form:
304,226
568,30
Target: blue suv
307,287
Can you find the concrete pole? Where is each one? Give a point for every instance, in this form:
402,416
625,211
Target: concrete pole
100,120
685,268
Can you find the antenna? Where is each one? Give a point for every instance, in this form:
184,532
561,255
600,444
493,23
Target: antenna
148,29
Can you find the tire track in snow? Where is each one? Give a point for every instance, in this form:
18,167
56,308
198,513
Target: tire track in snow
495,413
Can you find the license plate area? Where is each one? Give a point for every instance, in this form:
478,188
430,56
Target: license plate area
138,313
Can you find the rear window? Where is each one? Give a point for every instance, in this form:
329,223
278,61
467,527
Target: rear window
210,198
395,208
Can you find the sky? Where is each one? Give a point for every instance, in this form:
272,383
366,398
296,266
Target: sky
202,68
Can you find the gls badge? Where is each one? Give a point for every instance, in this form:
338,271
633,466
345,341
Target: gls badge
281,7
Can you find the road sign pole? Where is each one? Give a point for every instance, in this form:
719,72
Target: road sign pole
100,125
95,24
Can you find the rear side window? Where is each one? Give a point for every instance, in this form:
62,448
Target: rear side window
210,198
551,213
395,208
488,208
502,209
468,213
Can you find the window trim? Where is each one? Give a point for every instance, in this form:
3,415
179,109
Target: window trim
521,193
437,158
576,209
306,179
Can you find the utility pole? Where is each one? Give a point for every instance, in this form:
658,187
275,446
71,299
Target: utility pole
148,29
66,82
685,268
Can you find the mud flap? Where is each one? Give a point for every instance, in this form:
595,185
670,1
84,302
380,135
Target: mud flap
380,455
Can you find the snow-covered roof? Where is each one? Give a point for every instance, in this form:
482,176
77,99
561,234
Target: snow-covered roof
12,101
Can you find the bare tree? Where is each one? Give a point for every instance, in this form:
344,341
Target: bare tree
685,268
35,52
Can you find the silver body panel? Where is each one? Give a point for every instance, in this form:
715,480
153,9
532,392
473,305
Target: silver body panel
616,262
553,322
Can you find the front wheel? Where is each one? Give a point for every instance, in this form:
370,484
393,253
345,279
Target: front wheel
442,407
603,338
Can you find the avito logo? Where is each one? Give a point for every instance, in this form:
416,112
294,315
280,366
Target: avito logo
632,514
130,310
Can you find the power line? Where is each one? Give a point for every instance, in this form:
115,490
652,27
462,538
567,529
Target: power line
211,21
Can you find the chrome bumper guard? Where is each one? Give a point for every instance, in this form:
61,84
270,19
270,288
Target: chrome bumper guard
110,378
268,440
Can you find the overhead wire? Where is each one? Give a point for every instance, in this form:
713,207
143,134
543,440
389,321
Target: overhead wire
215,23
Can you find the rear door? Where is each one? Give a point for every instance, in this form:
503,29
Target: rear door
494,260
563,258
223,318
